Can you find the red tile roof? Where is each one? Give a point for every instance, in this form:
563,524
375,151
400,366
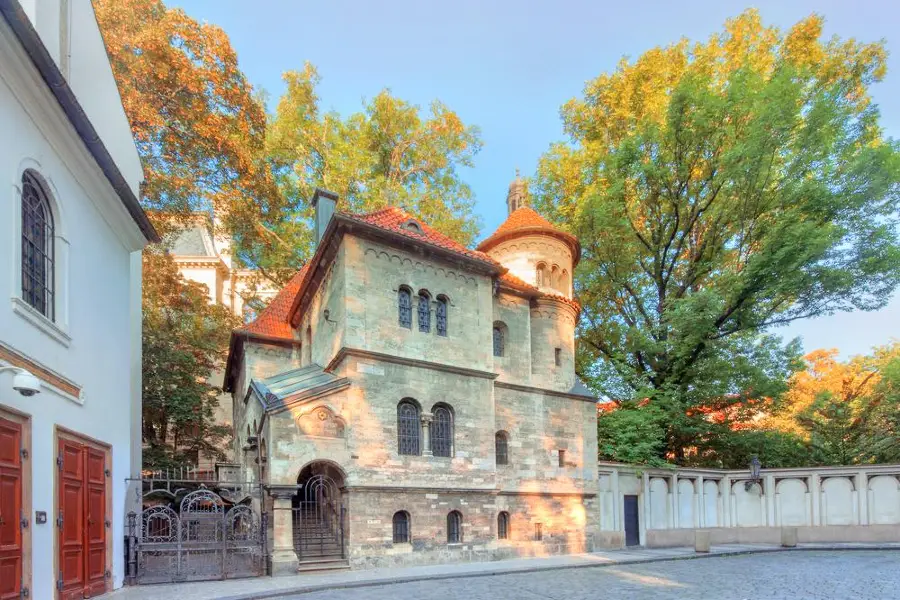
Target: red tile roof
274,320
395,220
512,281
526,220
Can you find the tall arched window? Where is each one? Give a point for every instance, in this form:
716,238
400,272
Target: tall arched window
408,429
442,431
401,527
37,246
404,307
441,315
503,525
554,277
454,527
501,447
564,283
424,311
499,339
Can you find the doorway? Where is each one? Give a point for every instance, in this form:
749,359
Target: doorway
14,512
632,521
319,513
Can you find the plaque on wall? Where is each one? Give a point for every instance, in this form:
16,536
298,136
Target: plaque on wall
321,422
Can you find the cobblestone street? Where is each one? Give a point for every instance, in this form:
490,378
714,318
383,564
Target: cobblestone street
845,575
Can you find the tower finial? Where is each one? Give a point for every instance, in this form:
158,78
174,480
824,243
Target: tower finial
517,197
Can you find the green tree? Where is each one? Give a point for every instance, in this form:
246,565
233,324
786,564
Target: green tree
391,153
184,340
719,190
881,438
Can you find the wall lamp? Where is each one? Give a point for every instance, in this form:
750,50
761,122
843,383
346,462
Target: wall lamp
755,466
327,314
23,381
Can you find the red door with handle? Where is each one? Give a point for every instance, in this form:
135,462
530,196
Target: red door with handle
82,520
11,556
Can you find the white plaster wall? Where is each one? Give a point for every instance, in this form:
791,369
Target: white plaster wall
711,503
686,500
884,499
792,502
659,504
98,313
838,501
748,505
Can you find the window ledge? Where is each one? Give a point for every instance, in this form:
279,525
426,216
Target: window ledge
24,310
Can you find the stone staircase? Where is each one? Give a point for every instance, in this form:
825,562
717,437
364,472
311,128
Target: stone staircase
318,545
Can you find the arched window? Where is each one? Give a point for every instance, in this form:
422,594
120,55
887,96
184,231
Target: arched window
454,527
404,307
441,315
503,525
37,246
408,429
564,283
401,527
442,431
424,311
501,447
554,277
499,336
540,275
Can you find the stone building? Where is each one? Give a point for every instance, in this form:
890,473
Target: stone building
407,400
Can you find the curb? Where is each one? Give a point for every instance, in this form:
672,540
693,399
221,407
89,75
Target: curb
309,589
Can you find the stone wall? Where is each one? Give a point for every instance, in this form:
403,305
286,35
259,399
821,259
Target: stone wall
826,504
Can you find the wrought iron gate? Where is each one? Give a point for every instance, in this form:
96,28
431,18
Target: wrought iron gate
319,520
201,541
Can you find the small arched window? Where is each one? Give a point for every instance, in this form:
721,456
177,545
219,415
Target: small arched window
554,277
442,431
501,447
454,527
503,525
37,246
408,429
564,283
424,311
441,315
401,527
404,307
540,275
499,336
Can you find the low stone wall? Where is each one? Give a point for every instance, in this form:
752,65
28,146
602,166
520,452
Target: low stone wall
662,538
827,504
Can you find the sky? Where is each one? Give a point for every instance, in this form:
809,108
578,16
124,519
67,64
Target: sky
507,67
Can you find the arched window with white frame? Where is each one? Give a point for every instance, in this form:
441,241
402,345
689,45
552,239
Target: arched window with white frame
38,251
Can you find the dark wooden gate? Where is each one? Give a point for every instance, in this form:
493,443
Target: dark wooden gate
632,522
11,515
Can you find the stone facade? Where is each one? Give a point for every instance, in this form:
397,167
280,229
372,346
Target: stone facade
327,396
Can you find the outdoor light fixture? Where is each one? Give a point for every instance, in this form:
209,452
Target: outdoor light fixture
23,381
327,314
755,466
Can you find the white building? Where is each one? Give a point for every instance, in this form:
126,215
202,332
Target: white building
71,233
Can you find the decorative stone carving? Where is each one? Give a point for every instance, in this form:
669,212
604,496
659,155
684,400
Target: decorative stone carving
321,422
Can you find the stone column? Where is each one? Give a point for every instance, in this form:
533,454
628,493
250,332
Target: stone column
645,518
700,494
862,497
427,418
815,490
284,558
770,500
725,490
616,501
674,517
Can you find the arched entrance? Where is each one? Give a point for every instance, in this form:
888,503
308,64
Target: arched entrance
319,513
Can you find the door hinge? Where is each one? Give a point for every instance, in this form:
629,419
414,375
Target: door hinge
25,592
59,461
23,521
106,472
59,520
107,523
24,453
59,583
107,574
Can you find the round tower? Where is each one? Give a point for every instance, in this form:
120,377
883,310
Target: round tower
543,257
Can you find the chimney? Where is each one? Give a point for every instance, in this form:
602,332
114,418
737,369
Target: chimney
323,202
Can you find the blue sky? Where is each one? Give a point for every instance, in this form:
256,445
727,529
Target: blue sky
508,66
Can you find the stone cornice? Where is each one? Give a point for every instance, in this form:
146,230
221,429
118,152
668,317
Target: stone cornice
537,390
606,468
493,491
409,362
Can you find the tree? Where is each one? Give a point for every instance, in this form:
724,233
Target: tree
184,340
389,154
719,190
199,129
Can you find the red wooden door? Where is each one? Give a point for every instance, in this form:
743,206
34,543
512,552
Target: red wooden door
82,536
95,530
10,510
70,580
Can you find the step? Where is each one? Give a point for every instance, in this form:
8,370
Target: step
323,565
